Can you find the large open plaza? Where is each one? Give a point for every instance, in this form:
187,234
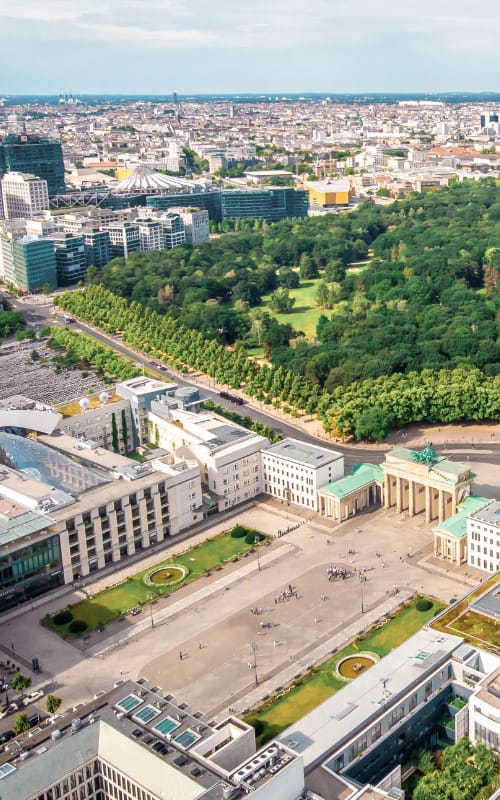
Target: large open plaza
232,638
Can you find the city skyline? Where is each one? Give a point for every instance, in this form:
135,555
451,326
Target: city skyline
155,46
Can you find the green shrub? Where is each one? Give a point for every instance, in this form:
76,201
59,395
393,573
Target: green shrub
62,618
78,626
238,532
253,537
423,604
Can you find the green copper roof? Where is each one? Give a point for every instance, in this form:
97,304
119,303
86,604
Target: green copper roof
360,475
456,525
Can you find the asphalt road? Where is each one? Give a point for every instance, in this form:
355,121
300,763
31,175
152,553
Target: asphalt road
38,311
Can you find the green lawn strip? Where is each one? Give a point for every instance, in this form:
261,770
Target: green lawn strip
323,681
134,591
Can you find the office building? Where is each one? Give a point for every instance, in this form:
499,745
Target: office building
271,205
293,471
151,235
140,743
89,506
34,155
97,247
483,537
173,230
124,239
209,199
23,195
28,262
106,420
418,695
71,261
196,224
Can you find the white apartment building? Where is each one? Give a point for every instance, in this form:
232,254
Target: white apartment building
228,455
483,537
23,195
196,225
293,471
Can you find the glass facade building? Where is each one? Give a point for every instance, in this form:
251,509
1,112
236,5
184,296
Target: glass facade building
271,205
97,248
29,571
33,263
209,200
36,155
71,261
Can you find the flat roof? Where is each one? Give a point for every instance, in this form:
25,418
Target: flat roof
361,475
490,513
144,385
318,734
21,525
91,453
302,453
456,526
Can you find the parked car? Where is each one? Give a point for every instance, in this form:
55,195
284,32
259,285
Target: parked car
6,736
30,698
10,709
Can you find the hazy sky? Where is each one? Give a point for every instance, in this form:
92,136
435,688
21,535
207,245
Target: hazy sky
160,46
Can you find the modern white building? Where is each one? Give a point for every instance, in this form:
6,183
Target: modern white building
293,471
229,456
483,537
484,713
23,195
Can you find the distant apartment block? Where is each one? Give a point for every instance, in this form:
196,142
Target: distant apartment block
23,195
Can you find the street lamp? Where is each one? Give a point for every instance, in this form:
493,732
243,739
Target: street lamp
256,543
151,610
254,653
361,581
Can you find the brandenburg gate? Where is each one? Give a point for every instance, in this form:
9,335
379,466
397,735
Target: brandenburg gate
418,482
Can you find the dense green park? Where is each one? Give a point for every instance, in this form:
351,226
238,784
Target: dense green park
412,335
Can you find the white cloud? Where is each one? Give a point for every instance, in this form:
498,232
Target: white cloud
452,25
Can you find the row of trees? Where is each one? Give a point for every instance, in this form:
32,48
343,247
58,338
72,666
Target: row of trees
365,410
81,350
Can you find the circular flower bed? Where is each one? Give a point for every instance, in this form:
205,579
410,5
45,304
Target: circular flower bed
352,666
166,576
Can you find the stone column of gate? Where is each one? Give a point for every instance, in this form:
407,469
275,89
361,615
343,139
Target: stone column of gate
411,498
428,504
399,502
441,505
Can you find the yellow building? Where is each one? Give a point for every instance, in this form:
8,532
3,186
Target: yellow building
330,193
